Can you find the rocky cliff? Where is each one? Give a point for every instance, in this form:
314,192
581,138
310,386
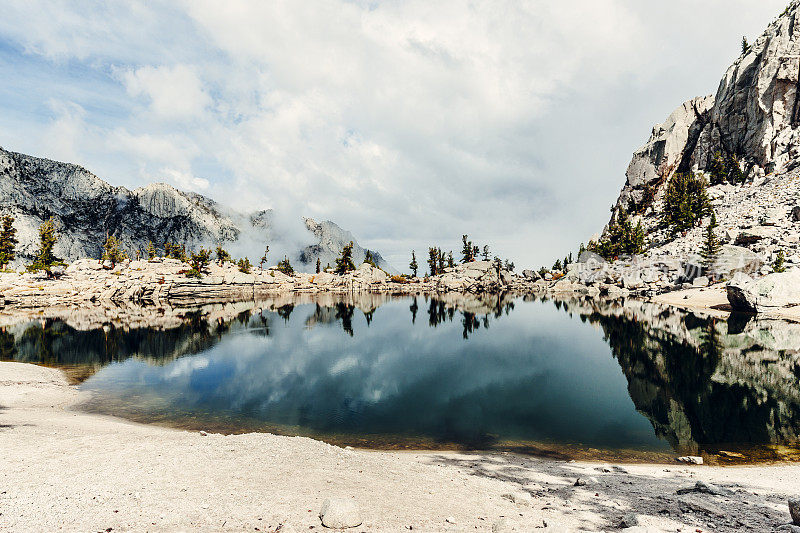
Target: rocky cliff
87,208
754,117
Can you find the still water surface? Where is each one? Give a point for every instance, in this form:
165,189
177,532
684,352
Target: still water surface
507,373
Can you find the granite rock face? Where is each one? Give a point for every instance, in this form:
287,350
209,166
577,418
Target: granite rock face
86,209
754,116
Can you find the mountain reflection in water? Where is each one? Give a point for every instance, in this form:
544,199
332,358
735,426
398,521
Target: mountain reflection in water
493,372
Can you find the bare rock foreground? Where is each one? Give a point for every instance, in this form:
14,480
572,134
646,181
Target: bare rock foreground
64,470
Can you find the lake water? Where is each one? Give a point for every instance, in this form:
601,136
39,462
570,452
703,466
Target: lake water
509,373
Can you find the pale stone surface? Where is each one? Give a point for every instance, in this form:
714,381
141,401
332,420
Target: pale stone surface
340,513
771,291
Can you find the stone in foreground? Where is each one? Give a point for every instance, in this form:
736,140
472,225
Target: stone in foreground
339,513
794,509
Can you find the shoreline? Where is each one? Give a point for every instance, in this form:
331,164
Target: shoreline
80,471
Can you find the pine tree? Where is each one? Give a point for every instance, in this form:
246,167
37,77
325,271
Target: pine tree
344,263
711,245
285,266
685,202
263,258
467,250
8,241
485,256
745,45
413,264
450,261
151,250
433,261
318,265
557,265
112,252
199,263
370,260
222,255
45,258
440,259
244,265
779,264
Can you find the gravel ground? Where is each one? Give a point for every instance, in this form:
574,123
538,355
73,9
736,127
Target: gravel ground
64,470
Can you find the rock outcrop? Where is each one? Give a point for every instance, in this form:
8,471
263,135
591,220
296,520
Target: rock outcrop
86,209
769,292
754,117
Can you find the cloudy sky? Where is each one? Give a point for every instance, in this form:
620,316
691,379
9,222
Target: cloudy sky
406,122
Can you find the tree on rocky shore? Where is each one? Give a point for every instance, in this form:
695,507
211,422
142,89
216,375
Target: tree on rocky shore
319,263
413,264
368,259
485,255
8,241
199,262
244,265
711,245
344,263
222,255
45,258
151,250
112,251
433,261
621,238
285,266
263,258
467,250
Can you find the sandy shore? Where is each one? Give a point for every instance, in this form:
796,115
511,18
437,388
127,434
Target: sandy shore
66,470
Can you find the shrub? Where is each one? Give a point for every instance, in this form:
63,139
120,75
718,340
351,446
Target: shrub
244,265
685,202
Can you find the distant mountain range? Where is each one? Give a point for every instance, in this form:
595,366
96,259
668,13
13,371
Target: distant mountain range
86,209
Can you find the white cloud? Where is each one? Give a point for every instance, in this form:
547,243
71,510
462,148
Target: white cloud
183,180
174,92
408,123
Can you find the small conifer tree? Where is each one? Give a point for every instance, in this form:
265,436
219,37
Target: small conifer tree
222,255
467,250
151,250
485,255
433,261
8,241
112,251
413,264
244,265
779,264
711,245
45,258
263,258
285,266
319,264
344,263
368,259
199,263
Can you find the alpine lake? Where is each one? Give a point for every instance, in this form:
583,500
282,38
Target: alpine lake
621,380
